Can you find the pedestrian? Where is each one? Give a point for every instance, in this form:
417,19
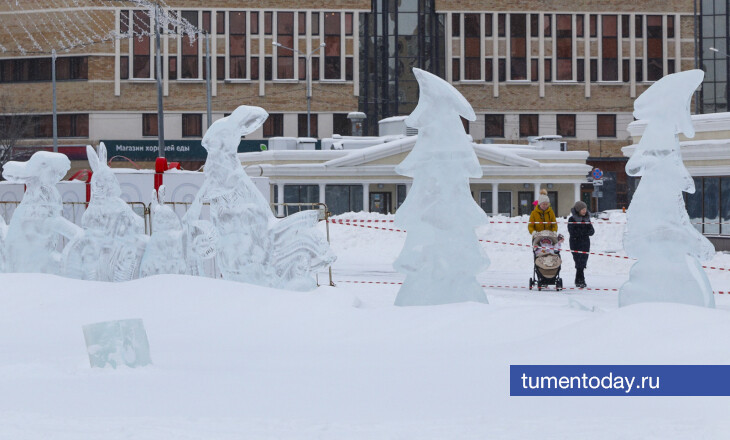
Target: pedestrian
542,217
580,230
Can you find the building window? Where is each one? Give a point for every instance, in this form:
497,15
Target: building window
343,198
267,22
192,125
141,59
609,47
606,125
300,194
564,35
302,125
528,125
220,23
285,36
302,19
332,37
341,124
274,125
149,124
518,46
237,44
69,125
654,60
494,126
39,69
254,22
472,47
124,67
566,125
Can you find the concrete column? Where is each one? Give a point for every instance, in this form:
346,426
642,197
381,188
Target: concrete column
321,193
495,198
537,190
576,191
280,199
366,197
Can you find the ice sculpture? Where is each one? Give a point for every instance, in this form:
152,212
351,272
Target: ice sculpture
658,232
117,343
3,232
441,255
252,245
164,252
37,224
113,240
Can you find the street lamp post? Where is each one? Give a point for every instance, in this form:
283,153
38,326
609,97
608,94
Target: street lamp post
308,58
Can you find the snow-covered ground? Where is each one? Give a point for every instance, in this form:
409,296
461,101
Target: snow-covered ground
235,361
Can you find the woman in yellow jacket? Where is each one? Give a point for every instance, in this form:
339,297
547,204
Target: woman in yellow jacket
542,217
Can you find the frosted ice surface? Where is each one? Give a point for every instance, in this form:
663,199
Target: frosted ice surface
164,252
3,233
37,225
117,343
441,255
658,231
113,240
249,243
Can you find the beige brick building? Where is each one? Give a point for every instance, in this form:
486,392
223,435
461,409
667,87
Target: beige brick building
528,68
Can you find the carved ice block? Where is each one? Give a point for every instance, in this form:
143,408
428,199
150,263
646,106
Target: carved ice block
117,343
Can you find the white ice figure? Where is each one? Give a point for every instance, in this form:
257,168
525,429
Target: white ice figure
37,224
441,255
3,233
113,240
164,252
252,245
658,231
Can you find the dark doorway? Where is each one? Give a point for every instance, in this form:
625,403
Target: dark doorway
380,202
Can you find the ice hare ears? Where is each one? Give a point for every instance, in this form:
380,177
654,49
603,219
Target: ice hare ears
244,120
96,162
436,98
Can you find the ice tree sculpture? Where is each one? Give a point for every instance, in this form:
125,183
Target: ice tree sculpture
113,240
3,232
37,224
658,232
252,245
441,255
164,252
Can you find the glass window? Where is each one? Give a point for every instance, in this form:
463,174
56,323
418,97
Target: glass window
548,25
172,67
580,67
488,66
579,26
528,125
694,204
725,205
472,47
285,36
237,44
564,35
341,125
141,47
220,23
455,25
625,26
639,26
711,205
332,62
124,67
566,125
192,125
609,46
302,126
149,124
302,19
593,25
254,23
123,21
206,21
315,23
655,63
493,125
189,49
343,198
348,23
267,22
487,25
606,125
534,25
300,194
501,20
518,46
274,125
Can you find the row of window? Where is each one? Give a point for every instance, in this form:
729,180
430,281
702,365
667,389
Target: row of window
471,29
709,206
41,126
192,125
566,126
39,69
288,28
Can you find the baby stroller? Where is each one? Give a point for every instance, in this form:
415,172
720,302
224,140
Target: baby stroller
546,270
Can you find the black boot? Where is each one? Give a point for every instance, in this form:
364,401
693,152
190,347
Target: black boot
580,279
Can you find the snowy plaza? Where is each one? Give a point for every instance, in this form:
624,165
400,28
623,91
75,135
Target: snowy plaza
488,224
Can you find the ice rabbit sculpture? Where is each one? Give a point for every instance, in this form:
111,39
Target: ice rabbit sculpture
252,245
441,255
658,232
113,239
37,224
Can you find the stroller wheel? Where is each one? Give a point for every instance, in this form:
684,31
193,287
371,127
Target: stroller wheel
532,283
539,286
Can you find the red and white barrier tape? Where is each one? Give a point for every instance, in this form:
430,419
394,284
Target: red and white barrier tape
506,287
521,222
600,254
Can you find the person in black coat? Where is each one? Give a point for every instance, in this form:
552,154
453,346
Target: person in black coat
580,230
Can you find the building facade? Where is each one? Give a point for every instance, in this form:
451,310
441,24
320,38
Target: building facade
571,68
